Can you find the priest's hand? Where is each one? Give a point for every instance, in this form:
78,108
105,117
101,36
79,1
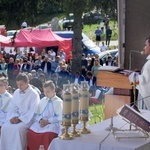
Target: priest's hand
15,120
44,123
12,120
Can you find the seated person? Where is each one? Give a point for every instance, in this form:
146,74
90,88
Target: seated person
47,125
77,78
98,97
20,115
56,80
91,82
5,98
109,61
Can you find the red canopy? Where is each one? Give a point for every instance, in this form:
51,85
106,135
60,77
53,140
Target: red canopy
39,38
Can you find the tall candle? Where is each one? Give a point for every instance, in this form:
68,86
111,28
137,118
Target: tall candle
84,99
66,104
75,103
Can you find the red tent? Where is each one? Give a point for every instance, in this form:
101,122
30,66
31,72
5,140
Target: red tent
39,38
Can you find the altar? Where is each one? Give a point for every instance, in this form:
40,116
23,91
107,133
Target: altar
100,139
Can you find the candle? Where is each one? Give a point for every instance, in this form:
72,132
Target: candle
66,104
75,103
84,99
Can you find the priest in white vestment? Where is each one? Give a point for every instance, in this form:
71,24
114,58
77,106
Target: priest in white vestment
48,119
143,80
20,115
5,98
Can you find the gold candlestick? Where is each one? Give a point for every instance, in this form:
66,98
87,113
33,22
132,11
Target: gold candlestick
84,105
84,130
66,117
75,133
134,94
75,109
66,135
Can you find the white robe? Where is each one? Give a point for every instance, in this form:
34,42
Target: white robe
144,83
50,110
23,106
4,102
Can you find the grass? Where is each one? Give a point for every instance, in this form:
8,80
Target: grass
87,29
90,29
97,111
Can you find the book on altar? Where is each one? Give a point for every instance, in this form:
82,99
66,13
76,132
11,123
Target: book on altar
131,115
109,68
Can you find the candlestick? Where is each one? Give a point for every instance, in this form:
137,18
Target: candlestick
84,105
75,109
66,117
75,102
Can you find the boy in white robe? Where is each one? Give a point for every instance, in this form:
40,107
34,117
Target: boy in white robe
20,115
5,98
48,120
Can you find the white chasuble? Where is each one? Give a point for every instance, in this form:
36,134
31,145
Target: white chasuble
51,110
144,83
23,106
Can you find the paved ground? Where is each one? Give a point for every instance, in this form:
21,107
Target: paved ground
113,43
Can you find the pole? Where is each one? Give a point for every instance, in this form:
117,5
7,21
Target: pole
121,31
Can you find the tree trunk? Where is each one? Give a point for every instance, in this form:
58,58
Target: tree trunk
77,38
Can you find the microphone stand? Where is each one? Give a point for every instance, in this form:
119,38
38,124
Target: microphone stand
134,96
111,126
130,57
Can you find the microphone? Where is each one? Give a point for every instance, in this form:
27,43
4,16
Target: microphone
130,56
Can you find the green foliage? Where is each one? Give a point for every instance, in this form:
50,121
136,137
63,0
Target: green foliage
97,113
14,12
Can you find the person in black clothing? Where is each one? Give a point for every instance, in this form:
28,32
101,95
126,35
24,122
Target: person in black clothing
77,78
108,35
26,66
109,61
84,64
46,67
64,76
11,78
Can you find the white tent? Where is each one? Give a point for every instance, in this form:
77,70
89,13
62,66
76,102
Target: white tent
3,38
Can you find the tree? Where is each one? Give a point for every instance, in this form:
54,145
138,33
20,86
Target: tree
78,7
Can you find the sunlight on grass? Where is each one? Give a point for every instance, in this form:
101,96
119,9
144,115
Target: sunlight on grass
97,111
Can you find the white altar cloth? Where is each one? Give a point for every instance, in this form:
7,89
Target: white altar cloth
93,141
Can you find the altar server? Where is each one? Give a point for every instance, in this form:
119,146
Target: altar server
48,121
20,115
5,98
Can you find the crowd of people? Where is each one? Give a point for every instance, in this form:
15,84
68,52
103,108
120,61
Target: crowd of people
30,76
48,65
